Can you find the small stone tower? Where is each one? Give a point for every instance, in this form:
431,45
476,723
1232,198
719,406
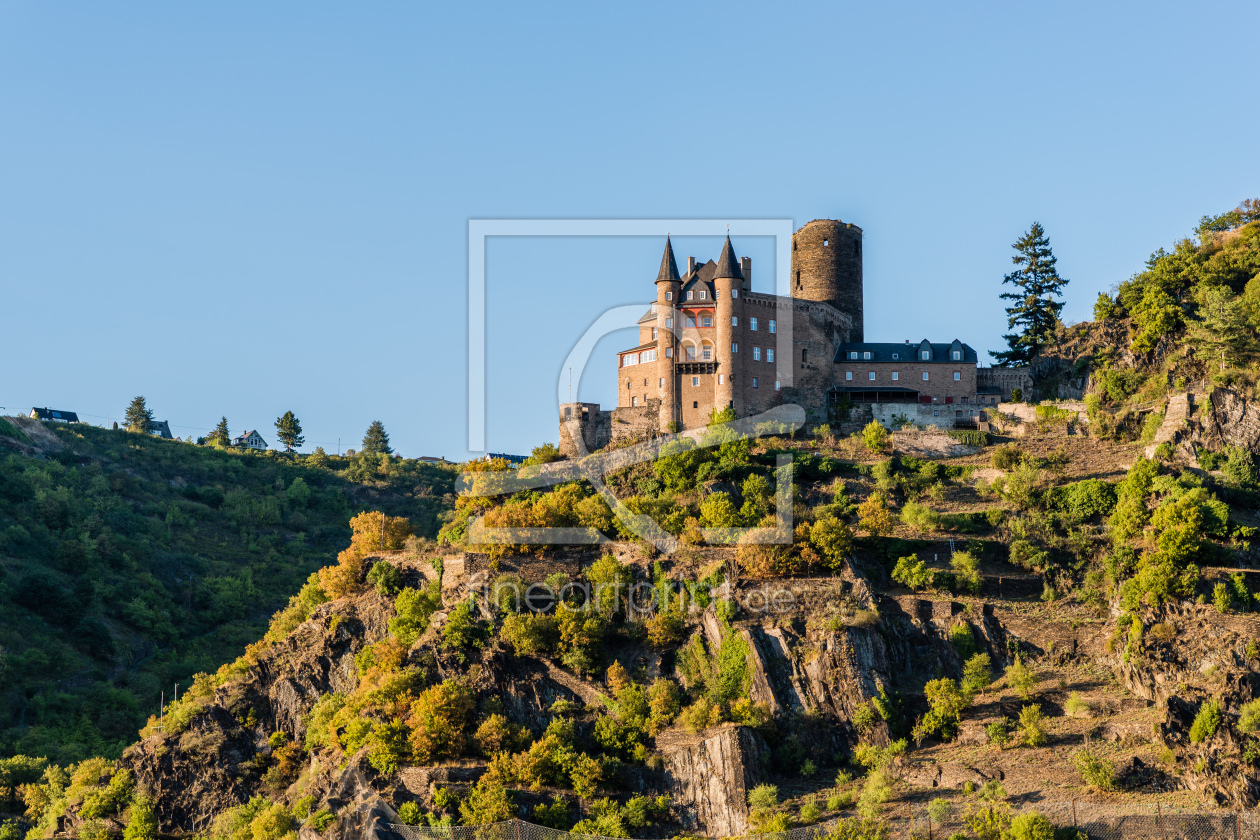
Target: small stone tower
827,267
668,285
727,278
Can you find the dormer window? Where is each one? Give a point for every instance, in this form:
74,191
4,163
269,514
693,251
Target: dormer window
866,354
925,355
955,355
852,354
702,294
895,357
689,294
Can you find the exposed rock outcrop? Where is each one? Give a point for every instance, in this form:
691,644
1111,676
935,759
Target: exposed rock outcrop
709,776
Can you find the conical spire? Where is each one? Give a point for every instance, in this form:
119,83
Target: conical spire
727,265
669,268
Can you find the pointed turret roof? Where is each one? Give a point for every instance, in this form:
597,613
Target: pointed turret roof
669,268
727,265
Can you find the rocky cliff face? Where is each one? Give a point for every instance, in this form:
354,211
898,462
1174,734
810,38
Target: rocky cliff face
1233,420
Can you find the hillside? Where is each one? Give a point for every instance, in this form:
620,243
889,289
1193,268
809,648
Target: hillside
128,564
1055,624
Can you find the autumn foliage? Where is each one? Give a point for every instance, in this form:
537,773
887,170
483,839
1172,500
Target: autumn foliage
373,532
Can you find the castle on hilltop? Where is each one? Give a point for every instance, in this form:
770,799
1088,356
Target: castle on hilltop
709,342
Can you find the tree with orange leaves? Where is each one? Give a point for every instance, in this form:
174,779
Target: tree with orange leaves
372,531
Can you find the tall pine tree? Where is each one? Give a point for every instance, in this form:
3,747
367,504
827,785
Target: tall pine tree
139,418
289,430
1033,308
221,436
376,441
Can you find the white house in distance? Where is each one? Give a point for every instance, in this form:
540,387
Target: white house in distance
250,440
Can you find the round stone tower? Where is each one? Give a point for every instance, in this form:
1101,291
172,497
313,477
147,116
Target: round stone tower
827,267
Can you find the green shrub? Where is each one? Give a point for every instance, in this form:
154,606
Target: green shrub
1249,717
1206,722
947,703
1007,458
1022,679
531,634
1030,718
1089,498
1076,705
810,813
1151,425
142,823
913,573
1030,826
1240,468
463,631
963,640
875,436
1222,597
999,732
384,576
977,674
966,572
1096,772
763,796
413,608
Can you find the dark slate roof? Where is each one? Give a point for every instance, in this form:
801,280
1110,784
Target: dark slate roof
727,265
669,268
650,315
162,429
54,414
884,351
701,278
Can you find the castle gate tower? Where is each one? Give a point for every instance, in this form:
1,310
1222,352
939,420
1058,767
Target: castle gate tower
668,285
827,267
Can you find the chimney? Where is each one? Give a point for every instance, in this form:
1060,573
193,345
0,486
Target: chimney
745,267
691,264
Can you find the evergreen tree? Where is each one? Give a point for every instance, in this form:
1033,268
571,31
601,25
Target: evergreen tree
1033,307
376,441
221,436
1223,335
139,418
289,430
115,425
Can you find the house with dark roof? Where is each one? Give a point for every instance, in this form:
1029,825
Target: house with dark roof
54,415
162,429
250,440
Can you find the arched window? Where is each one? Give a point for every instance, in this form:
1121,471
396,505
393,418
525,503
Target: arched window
689,351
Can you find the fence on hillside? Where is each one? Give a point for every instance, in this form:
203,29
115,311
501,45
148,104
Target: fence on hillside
1097,820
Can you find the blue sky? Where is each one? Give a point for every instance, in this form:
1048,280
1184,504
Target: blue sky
242,209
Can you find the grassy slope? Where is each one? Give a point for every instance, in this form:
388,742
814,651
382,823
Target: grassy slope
129,563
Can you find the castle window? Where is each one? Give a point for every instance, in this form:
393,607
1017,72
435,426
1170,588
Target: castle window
695,404
654,333
669,296
669,323
568,412
936,412
691,352
662,383
669,352
871,376
752,324
769,354
645,382
925,355
734,293
707,322
896,375
754,382
804,355
695,381
690,321
689,294
776,384
852,354
721,379
824,243
702,293
925,376
627,384
848,376
896,357
964,400
634,401
866,355
957,376
734,347
955,355
756,354
734,320
707,352
772,325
